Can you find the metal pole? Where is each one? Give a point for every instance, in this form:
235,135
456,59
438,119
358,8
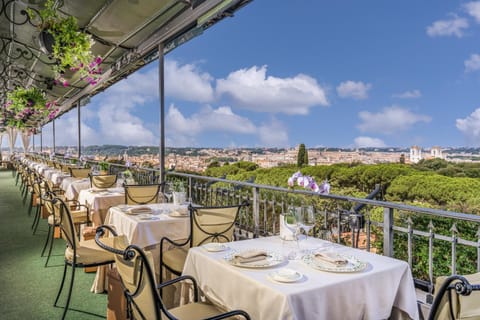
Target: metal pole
161,88
53,126
79,129
41,140
33,142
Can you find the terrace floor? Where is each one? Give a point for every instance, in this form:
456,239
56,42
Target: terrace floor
29,289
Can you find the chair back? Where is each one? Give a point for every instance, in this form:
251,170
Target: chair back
213,224
137,277
103,181
69,233
138,283
142,194
79,172
65,168
455,298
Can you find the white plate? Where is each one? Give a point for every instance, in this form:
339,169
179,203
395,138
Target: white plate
272,259
215,247
285,275
353,264
149,218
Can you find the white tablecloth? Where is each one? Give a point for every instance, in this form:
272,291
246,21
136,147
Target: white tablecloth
145,233
100,202
73,186
368,294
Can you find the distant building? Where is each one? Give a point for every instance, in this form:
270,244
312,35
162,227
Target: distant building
415,154
436,152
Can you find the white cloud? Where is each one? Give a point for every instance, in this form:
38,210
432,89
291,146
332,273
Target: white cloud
470,127
389,120
183,130
116,115
369,142
273,134
473,9
473,63
452,27
411,94
66,132
187,83
251,89
353,89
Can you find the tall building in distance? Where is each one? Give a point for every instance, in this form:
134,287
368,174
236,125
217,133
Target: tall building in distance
416,154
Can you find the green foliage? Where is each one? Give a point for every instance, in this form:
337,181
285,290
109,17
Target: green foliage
72,47
302,156
103,165
25,106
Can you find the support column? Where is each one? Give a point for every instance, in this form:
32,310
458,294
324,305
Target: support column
41,140
53,127
161,88
79,145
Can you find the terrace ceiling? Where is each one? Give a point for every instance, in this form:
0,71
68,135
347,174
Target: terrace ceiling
127,34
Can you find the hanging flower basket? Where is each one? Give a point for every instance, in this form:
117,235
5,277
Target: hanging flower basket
27,108
47,42
61,38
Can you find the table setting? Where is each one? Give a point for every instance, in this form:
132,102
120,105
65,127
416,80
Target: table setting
256,274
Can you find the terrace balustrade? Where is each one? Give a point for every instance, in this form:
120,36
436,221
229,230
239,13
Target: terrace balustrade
434,242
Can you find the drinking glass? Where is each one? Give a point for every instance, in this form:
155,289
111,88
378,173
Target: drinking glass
308,219
291,220
168,191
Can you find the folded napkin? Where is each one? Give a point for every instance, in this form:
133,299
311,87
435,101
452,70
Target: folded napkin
331,258
138,210
251,256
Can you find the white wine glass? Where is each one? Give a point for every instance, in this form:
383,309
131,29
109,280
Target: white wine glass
168,191
308,219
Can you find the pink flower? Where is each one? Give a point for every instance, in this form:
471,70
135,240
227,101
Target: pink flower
308,182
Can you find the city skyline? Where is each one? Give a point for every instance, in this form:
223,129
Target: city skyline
277,74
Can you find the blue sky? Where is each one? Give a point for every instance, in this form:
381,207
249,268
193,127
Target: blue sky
343,73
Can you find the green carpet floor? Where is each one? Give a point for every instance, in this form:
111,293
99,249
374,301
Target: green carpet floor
27,288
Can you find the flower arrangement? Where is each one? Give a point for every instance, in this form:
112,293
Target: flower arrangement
308,182
71,47
25,107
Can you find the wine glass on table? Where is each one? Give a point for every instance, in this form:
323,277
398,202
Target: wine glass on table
168,191
308,219
291,223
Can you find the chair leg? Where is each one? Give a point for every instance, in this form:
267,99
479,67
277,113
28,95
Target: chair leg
30,205
69,293
52,238
61,285
36,219
46,240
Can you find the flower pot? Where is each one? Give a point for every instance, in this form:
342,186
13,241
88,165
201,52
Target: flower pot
46,42
179,197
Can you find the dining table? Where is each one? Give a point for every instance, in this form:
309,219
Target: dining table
100,200
305,284
72,186
144,226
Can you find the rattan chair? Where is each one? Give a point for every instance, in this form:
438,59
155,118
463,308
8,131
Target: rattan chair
142,194
78,254
103,181
207,224
456,299
137,277
79,172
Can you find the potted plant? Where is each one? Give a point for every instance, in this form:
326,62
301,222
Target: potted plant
128,176
62,39
26,107
103,166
